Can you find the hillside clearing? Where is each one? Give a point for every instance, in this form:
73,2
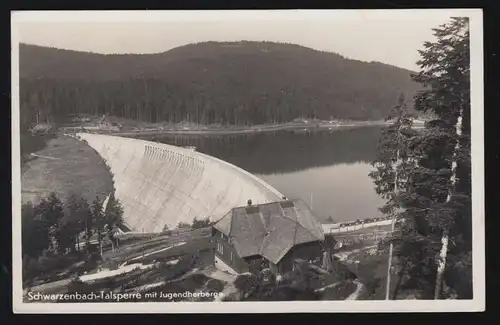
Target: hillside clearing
65,166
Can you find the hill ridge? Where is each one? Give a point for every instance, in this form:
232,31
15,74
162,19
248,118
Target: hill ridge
21,44
206,83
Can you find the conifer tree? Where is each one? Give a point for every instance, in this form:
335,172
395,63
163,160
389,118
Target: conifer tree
433,203
34,234
113,219
393,164
98,221
77,213
50,212
88,224
442,181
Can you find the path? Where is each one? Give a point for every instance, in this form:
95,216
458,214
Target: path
356,293
335,228
271,128
44,157
157,251
344,255
353,296
330,286
229,288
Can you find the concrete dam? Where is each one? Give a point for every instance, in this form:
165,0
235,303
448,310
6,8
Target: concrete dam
159,184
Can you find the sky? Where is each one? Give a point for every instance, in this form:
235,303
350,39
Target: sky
393,38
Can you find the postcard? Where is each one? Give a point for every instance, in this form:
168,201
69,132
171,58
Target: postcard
270,161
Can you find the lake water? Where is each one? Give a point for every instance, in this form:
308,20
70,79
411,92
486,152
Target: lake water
326,169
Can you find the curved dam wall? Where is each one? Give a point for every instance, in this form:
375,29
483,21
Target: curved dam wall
160,184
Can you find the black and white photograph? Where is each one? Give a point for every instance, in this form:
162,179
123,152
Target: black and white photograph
210,161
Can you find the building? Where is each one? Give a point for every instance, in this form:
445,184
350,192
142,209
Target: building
271,235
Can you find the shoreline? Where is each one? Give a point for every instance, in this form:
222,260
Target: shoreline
237,131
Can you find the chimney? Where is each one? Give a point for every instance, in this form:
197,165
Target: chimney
249,202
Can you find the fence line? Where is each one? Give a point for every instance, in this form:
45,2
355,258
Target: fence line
357,238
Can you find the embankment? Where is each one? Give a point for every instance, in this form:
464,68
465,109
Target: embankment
159,184
65,166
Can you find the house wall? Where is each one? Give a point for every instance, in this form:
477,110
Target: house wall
308,251
226,252
256,263
274,268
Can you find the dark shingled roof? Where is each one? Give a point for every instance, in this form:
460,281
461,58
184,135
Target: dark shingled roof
270,229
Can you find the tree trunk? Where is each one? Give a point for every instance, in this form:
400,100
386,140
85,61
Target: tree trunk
400,279
444,239
391,247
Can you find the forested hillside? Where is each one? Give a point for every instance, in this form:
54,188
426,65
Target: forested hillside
240,83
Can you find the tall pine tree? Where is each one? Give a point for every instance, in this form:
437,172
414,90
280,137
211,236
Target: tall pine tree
77,213
432,198
443,181
435,205
34,234
51,213
393,164
98,222
113,215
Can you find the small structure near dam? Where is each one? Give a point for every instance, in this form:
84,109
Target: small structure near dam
160,184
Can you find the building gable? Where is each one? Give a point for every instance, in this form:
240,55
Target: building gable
271,229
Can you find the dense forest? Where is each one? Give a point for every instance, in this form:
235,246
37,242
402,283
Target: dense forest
240,83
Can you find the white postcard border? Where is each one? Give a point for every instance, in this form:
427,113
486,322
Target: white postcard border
477,153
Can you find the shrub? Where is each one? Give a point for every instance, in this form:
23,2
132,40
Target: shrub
214,285
183,225
49,263
166,230
198,279
201,223
246,283
183,265
340,292
266,277
94,256
31,268
77,285
372,286
283,293
109,283
235,296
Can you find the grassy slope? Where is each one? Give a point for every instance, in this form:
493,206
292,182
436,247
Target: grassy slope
66,166
29,144
156,248
339,292
371,270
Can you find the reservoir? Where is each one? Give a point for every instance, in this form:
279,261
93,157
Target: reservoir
327,169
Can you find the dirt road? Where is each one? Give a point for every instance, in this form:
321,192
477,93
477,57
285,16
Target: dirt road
356,293
252,130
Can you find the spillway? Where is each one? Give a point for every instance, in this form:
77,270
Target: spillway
160,184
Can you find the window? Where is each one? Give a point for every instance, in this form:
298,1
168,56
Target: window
220,248
231,256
